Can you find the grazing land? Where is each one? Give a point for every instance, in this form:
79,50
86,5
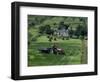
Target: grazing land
70,36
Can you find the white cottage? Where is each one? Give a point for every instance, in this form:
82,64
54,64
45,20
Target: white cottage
63,32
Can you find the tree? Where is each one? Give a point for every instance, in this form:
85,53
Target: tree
78,31
41,29
71,32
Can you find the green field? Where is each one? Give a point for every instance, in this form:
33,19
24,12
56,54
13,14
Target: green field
60,32
72,48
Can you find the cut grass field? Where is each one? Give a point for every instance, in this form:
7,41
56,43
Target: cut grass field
72,48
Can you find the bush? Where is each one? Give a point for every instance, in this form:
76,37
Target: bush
34,38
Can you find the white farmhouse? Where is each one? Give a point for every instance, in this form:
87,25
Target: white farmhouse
63,32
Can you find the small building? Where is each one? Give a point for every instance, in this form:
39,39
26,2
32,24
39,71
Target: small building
63,32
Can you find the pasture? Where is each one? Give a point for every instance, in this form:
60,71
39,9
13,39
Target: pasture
71,47
57,40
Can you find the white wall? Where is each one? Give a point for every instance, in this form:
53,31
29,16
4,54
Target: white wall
5,40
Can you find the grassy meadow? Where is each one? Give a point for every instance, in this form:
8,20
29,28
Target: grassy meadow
75,48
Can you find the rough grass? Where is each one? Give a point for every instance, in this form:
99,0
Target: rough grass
72,48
